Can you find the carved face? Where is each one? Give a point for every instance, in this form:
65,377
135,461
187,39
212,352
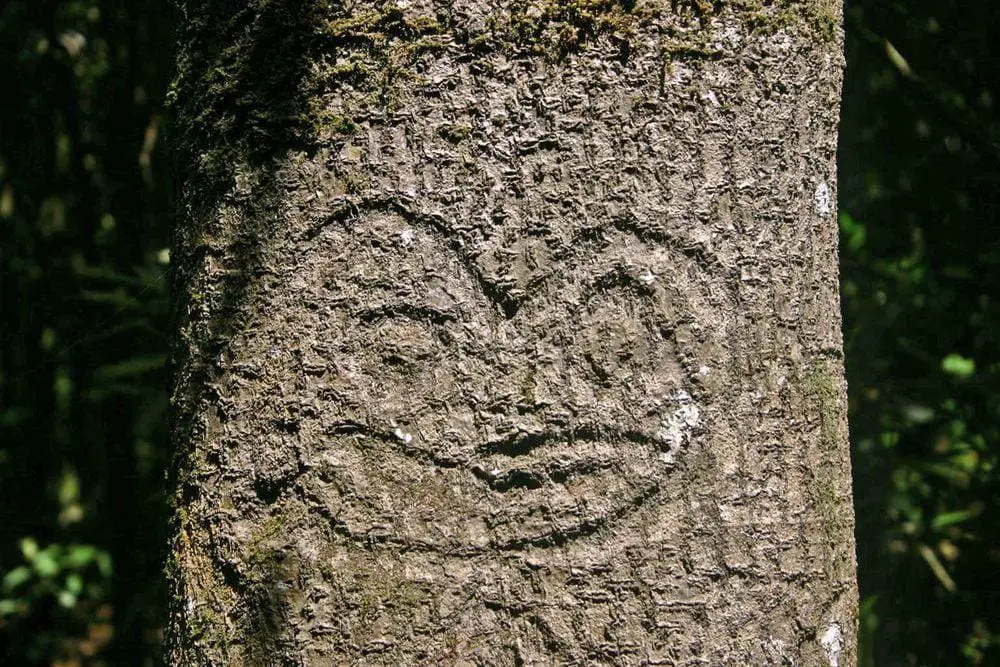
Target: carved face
540,397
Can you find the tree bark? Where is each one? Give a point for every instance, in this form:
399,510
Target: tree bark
509,333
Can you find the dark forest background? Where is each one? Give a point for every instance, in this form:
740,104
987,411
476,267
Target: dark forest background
86,207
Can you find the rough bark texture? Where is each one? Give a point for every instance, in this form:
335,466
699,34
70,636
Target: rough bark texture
509,334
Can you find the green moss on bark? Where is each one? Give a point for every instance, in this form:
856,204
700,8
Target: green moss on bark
822,389
820,18
270,75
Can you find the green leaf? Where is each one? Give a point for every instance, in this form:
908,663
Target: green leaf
16,577
69,487
918,414
29,547
966,461
66,599
959,366
62,385
951,518
867,613
9,607
897,59
855,234
947,471
104,563
117,298
937,568
80,556
104,273
13,416
74,583
46,564
130,367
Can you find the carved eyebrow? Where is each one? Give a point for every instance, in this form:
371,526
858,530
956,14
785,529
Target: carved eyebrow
409,311
353,207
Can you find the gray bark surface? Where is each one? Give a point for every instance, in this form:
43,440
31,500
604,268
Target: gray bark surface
509,334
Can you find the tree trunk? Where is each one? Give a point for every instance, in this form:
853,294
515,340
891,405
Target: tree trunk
509,334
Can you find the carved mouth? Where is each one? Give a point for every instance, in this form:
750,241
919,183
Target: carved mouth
543,488
532,460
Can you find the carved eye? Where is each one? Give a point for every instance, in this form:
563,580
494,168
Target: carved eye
613,343
405,344
622,333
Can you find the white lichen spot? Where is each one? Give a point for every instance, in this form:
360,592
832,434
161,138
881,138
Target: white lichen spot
732,35
703,371
824,203
402,435
309,550
407,236
676,430
832,642
647,278
712,97
778,650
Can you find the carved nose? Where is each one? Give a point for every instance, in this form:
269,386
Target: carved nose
543,378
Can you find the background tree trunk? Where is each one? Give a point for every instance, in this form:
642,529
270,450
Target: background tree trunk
509,334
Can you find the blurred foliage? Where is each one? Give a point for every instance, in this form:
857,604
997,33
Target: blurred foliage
85,209
920,182
55,603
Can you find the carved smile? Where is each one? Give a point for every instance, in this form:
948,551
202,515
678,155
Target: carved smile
532,460
536,488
